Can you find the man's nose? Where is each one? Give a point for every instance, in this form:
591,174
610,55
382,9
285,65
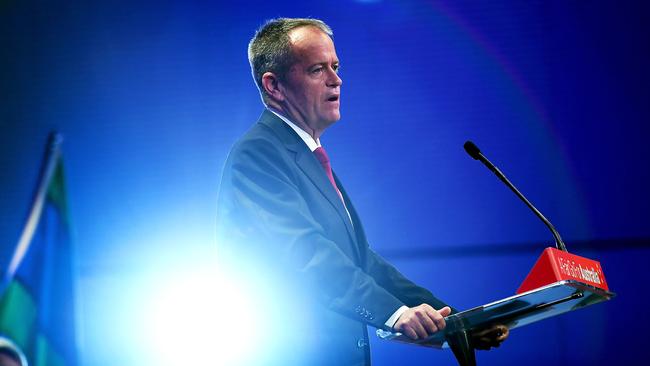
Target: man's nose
334,79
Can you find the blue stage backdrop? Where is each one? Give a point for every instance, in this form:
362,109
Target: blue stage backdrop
149,97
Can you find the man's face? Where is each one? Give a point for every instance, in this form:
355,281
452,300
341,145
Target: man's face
312,87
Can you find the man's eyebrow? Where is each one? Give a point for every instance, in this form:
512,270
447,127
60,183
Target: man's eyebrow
324,63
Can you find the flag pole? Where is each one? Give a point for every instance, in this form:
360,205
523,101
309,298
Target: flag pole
51,158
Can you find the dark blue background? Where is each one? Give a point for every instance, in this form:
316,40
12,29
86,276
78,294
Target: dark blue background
150,96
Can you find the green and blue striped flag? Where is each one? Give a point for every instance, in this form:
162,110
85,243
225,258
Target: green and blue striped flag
37,297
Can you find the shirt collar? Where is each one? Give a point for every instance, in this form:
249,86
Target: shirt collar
311,143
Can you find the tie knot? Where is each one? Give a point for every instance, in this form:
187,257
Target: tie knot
321,155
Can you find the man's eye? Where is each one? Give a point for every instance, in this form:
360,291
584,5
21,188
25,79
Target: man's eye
317,70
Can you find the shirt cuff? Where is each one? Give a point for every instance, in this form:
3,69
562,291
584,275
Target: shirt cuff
393,318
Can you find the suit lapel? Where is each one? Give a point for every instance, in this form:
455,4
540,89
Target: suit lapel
310,166
358,227
314,171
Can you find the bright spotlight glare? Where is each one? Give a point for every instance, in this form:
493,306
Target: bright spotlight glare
200,317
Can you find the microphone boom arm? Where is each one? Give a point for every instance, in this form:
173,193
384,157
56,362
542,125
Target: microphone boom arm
475,153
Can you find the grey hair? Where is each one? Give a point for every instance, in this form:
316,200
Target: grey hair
270,49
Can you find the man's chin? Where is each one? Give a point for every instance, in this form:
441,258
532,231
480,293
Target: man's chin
332,121
335,117
328,120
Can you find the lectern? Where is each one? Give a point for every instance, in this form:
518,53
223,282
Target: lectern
515,311
558,283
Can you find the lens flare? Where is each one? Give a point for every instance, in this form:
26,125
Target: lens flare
201,317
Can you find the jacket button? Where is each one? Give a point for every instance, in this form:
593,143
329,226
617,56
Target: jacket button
361,343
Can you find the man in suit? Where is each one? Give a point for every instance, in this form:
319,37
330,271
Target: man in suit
286,224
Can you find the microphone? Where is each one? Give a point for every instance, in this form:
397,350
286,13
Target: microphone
475,153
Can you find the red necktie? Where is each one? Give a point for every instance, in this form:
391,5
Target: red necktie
321,155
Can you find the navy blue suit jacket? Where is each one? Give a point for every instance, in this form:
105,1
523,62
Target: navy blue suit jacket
282,227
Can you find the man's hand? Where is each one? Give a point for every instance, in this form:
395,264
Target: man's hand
421,321
490,337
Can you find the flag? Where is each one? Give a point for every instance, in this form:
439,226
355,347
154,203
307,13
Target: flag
37,297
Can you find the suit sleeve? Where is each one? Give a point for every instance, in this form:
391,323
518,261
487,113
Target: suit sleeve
404,289
391,279
261,205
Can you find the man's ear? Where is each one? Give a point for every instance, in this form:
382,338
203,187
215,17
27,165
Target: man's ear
271,86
